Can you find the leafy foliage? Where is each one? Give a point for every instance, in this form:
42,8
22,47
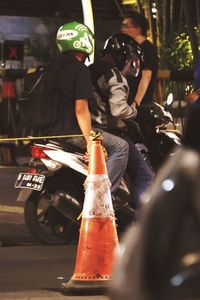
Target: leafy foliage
174,29
178,55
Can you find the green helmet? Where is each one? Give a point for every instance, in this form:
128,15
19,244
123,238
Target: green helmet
75,36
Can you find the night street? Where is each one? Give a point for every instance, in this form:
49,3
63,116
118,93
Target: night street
99,150
29,270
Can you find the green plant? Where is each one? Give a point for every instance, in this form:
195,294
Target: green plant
179,53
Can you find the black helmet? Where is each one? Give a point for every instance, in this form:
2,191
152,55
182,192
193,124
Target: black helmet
122,48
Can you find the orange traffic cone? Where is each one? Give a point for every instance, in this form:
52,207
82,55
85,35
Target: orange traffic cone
98,236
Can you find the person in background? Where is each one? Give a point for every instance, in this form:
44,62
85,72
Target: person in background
195,94
136,26
197,73
142,88
191,138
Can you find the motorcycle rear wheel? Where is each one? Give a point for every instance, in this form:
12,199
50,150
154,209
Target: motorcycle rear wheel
44,221
52,228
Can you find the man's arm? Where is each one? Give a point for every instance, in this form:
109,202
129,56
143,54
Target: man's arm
193,96
143,85
84,119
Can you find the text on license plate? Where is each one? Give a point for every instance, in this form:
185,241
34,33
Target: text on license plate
30,181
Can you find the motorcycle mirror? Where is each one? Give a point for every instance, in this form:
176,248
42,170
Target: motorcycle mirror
170,99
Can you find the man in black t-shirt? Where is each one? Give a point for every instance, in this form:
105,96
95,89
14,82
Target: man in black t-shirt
142,88
136,26
74,87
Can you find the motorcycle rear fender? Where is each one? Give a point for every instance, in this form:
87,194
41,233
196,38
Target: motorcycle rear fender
51,164
71,160
24,194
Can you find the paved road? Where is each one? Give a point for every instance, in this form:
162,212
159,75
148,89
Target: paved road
29,270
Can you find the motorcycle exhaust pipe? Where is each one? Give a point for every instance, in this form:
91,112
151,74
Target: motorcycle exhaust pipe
67,205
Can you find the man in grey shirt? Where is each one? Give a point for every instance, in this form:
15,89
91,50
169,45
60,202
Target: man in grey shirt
110,106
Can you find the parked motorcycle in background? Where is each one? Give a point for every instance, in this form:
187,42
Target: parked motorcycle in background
155,135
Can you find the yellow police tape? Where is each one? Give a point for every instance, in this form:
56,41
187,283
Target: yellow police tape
30,138
93,135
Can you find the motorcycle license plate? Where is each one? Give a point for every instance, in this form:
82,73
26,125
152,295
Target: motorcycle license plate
30,181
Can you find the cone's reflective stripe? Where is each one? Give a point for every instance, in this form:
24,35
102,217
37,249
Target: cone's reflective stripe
98,201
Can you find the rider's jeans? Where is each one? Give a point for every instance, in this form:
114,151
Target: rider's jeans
139,172
118,151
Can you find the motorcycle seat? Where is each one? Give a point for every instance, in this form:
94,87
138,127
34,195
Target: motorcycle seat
63,145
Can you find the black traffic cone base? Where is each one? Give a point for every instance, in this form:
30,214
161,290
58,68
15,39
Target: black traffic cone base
79,287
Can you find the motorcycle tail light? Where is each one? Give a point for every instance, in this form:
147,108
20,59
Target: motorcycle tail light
38,152
32,171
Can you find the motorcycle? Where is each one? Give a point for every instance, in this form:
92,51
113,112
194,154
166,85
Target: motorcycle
53,186
53,192
155,134
159,135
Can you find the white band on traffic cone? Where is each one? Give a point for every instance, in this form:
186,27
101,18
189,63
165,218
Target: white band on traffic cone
98,200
